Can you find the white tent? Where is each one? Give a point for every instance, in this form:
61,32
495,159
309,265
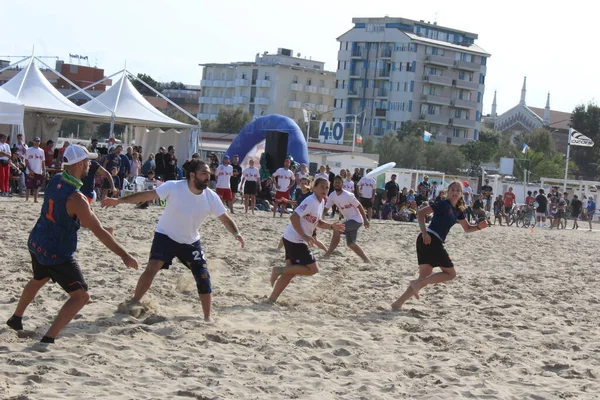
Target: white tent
130,107
11,109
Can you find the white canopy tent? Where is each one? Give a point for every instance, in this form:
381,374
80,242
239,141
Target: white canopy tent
11,109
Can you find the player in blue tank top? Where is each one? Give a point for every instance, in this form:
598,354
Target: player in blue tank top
53,241
430,242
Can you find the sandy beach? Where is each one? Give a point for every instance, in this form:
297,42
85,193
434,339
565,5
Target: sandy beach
519,322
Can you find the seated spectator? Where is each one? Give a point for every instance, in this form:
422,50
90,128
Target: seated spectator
265,195
390,209
149,165
17,172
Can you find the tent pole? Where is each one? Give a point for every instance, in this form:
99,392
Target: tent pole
95,83
112,119
15,63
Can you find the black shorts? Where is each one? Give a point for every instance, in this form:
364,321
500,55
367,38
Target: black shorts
433,253
67,274
366,202
507,209
191,255
250,187
234,187
298,253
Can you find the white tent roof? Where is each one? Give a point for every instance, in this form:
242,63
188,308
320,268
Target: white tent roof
32,88
11,109
130,107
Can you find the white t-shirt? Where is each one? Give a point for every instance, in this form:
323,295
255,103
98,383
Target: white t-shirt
185,211
35,160
310,212
347,204
21,149
367,187
349,186
251,174
5,148
224,173
467,193
301,175
320,175
284,177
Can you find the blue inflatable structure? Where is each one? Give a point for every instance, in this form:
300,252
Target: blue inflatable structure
256,131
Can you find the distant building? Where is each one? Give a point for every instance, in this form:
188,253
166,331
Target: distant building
392,70
185,97
271,84
523,119
82,76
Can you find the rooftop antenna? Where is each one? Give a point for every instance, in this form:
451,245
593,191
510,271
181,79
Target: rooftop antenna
435,15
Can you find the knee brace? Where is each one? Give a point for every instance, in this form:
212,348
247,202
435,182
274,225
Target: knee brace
202,277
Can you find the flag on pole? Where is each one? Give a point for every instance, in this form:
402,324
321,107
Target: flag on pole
525,148
358,139
578,139
305,114
426,136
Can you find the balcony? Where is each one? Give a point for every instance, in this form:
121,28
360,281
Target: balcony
220,83
465,104
311,89
456,141
358,73
469,66
263,83
382,74
432,99
439,60
463,123
217,100
438,80
297,87
204,100
380,92
263,101
206,83
470,85
230,84
324,91
241,100
380,113
435,119
385,53
242,82
352,93
294,104
357,53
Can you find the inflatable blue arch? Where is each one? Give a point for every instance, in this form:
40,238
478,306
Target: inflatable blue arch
256,131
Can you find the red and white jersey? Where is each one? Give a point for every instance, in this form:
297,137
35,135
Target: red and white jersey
367,187
35,160
224,173
310,212
346,203
348,186
284,178
302,175
251,175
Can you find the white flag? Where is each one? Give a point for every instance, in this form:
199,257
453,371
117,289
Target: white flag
305,114
426,136
578,139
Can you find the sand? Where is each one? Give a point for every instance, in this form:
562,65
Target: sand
520,320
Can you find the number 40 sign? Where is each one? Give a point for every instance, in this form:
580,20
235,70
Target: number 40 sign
331,132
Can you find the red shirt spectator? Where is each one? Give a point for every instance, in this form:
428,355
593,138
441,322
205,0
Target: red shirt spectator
49,153
509,198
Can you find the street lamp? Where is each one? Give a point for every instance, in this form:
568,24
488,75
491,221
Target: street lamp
354,131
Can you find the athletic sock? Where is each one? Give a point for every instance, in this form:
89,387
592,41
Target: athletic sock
15,323
47,339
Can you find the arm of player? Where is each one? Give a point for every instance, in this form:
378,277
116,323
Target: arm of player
473,228
361,210
134,198
336,226
421,215
78,206
232,228
101,171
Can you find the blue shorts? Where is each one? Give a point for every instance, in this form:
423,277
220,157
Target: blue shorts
191,255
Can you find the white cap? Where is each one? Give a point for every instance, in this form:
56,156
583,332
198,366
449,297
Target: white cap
75,153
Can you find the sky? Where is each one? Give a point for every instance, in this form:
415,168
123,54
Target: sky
554,46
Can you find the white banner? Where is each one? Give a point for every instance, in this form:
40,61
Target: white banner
578,139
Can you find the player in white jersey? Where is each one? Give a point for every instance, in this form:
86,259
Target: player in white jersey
224,172
366,189
353,212
299,260
189,202
251,185
284,179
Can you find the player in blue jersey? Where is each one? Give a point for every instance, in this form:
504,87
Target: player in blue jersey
430,242
53,241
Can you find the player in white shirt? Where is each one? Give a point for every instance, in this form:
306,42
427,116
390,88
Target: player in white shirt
366,189
299,260
224,172
322,173
353,212
189,202
348,184
251,185
5,156
36,169
284,179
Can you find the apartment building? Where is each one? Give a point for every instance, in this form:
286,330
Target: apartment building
272,84
392,70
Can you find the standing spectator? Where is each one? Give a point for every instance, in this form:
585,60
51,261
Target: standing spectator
251,185
114,160
302,174
236,176
20,146
36,170
17,170
542,208
349,184
124,168
591,210
5,156
529,199
284,179
435,191
129,153
160,167
487,191
468,196
366,189
392,189
214,164
322,173
61,153
170,164
356,176
331,178
49,153
509,202
224,173
135,165
149,165
94,146
576,207
423,190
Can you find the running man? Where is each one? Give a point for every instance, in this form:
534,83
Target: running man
353,212
430,242
366,189
224,173
299,260
189,202
53,241
284,179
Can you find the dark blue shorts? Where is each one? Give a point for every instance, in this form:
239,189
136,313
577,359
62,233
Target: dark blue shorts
191,255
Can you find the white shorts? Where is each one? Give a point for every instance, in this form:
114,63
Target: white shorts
539,214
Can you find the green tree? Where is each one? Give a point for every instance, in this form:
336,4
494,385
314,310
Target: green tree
587,121
369,145
73,127
231,121
540,165
441,157
388,148
103,130
542,141
144,91
410,128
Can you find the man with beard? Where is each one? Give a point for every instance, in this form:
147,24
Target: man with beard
189,202
53,241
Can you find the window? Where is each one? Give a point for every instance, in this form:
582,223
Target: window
334,103
456,133
294,97
431,109
461,75
320,100
336,83
244,76
308,81
267,77
307,98
406,86
457,113
322,83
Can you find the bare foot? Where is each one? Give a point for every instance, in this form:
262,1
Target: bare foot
326,255
208,320
414,285
397,305
274,275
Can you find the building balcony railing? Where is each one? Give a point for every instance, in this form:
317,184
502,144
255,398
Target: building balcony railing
294,104
311,89
241,100
459,83
436,119
455,141
357,53
217,100
463,123
382,74
207,116
263,83
204,100
439,60
464,104
263,101
219,83
380,92
380,113
385,53
298,87
206,83
229,101
242,82
352,93
324,91
432,99
230,84
358,73
438,80
469,66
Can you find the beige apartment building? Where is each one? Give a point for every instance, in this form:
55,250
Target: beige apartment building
272,84
392,70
